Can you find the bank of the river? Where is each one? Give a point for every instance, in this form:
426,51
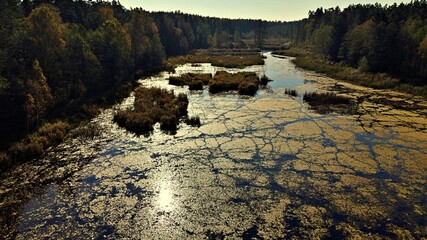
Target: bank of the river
307,60
59,122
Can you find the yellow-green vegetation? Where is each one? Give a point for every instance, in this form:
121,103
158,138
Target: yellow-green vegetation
229,61
153,105
194,81
35,144
310,61
246,83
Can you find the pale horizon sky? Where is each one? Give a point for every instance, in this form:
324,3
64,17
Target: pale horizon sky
280,10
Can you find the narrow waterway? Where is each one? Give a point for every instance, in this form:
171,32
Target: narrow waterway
266,166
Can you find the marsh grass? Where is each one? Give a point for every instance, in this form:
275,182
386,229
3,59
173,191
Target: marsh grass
153,105
35,144
88,131
264,80
291,52
291,92
343,72
246,83
193,80
193,121
315,98
248,88
223,60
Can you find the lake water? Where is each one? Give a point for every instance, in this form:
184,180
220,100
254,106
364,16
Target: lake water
267,166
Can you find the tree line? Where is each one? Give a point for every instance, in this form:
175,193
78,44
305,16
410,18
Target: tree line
54,54
373,38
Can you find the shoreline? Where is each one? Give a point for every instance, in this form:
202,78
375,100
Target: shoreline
348,74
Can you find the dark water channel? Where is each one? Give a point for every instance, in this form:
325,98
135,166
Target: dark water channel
263,167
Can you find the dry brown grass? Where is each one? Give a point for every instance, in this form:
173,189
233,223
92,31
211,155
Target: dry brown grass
36,144
325,98
194,81
246,83
291,92
229,61
153,105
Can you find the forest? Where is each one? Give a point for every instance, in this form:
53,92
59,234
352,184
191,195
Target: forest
59,59
372,38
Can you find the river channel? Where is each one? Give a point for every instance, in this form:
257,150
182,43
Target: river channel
262,167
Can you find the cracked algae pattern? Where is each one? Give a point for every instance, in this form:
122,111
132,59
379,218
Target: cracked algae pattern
262,167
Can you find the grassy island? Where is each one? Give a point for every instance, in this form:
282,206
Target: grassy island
245,83
153,105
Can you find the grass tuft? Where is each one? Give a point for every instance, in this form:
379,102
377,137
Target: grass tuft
325,98
193,121
265,80
291,92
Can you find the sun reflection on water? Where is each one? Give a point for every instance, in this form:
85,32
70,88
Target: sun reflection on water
165,199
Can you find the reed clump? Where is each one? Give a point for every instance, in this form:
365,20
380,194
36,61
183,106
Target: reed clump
191,79
291,92
246,83
153,105
35,144
222,60
315,98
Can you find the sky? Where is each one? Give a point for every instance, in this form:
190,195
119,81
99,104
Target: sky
280,10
